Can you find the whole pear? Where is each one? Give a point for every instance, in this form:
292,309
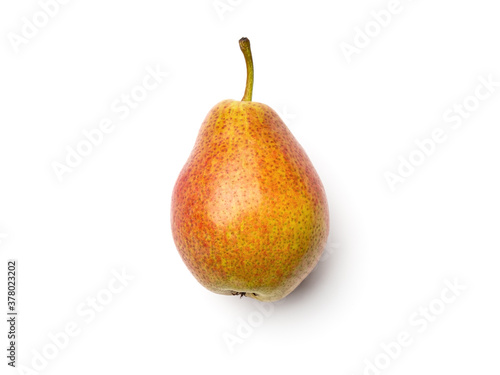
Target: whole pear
249,213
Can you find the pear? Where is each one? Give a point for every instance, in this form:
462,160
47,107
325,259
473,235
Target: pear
249,213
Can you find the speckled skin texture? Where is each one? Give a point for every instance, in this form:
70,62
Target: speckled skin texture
249,213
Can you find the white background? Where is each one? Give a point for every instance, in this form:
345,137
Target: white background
389,252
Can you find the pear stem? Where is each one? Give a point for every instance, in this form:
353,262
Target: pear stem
245,48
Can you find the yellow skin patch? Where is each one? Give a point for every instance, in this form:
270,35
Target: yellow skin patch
249,213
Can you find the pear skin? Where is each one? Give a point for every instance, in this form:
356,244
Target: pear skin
249,213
